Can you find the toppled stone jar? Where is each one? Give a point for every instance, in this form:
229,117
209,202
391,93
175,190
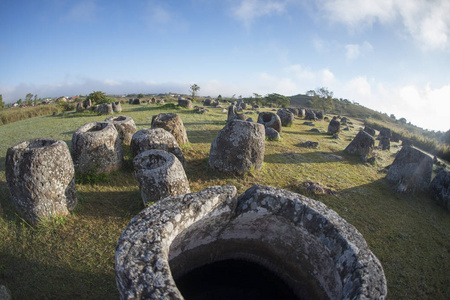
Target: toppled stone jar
41,178
96,148
159,174
316,253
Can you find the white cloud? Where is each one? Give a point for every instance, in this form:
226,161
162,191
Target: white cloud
354,51
247,11
161,18
426,21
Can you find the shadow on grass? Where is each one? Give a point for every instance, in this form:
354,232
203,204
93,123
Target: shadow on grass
315,156
201,136
28,279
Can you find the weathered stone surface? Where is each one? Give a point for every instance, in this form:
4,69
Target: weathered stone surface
207,102
87,104
270,120
309,123
385,132
315,188
344,121
395,137
319,115
294,111
369,130
136,101
411,170
105,109
362,144
303,242
5,293
272,134
156,138
310,115
173,124
159,174
301,113
79,107
125,126
385,143
334,127
41,178
309,144
96,147
233,115
440,189
117,107
238,147
287,118
185,103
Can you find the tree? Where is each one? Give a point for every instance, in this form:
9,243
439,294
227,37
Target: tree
28,97
194,89
140,96
19,102
2,104
219,97
35,100
392,116
323,99
97,97
278,99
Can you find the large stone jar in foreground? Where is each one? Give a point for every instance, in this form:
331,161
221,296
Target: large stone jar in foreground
238,147
315,252
96,148
159,174
41,178
125,127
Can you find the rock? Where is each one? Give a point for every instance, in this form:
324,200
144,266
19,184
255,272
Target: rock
335,136
270,120
105,109
249,120
173,124
301,113
294,111
156,138
309,123
344,121
255,107
385,132
5,293
371,160
334,127
315,188
272,134
136,101
125,126
80,107
159,175
117,107
440,189
87,104
362,144
310,115
41,178
309,144
395,137
346,129
369,130
96,148
200,110
185,103
319,115
286,117
298,239
411,170
152,101
385,143
326,119
238,147
407,142
130,101
314,130
160,102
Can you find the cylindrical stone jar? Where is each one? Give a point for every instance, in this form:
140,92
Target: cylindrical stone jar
173,124
96,148
159,174
125,127
41,178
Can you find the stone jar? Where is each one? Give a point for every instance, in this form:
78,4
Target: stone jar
173,124
238,147
286,117
159,175
41,178
96,148
270,120
313,250
156,138
125,127
362,144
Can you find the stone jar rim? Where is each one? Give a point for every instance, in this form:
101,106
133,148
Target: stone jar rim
31,145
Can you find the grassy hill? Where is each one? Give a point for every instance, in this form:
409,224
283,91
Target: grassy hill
73,257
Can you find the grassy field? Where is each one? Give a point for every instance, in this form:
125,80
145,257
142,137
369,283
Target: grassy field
73,257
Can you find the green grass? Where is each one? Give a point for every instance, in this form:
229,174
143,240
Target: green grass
73,257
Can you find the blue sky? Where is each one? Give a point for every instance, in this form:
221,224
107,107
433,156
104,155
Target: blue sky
390,55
